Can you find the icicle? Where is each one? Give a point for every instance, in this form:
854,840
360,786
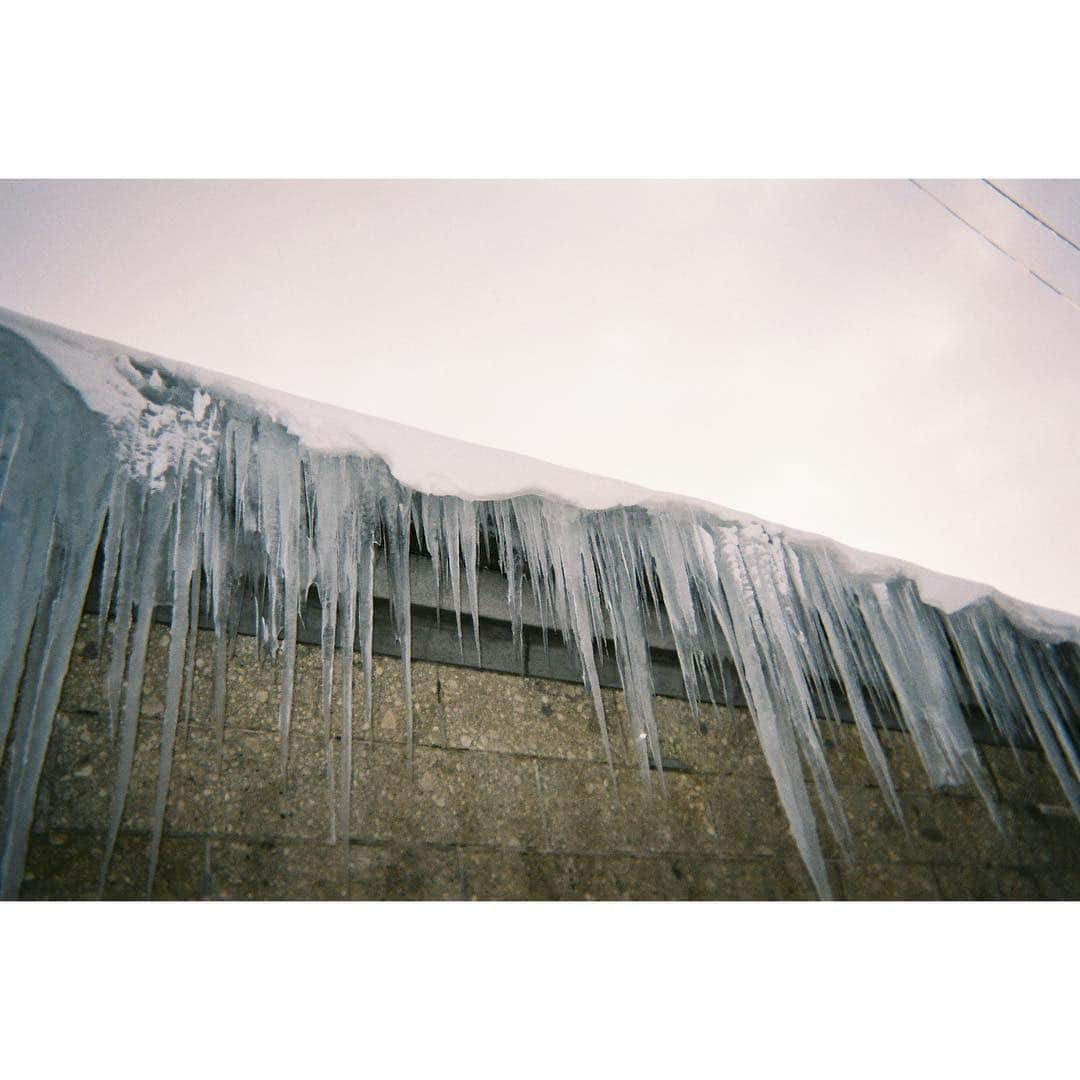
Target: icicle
157,520
905,640
396,519
583,627
185,569
775,729
191,485
117,505
194,606
57,485
470,550
620,574
127,574
836,648
219,543
11,433
327,479
451,531
780,626
510,561
220,689
366,567
280,497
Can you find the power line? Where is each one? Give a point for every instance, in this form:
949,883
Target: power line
1031,214
994,243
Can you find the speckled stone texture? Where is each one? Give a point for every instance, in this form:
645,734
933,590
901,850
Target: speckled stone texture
508,797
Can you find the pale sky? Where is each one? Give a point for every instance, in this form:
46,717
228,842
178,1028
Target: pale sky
842,357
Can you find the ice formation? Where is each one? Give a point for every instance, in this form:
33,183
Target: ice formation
202,493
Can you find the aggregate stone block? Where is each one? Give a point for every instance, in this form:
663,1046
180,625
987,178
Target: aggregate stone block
479,711
178,875
84,684
606,877
549,876
726,806
905,766
388,703
1024,776
870,823
793,882
253,687
76,787
1059,883
690,877
310,791
277,870
250,796
888,881
676,821
243,795
1041,835
66,866
948,829
202,685
703,744
77,778
877,836
986,883
142,788
152,702
960,830
531,875
581,808
624,748
751,879
496,875
845,757
740,751
449,797
84,687
745,811
509,714
544,876
694,878
396,872
694,742
307,715
62,866
194,786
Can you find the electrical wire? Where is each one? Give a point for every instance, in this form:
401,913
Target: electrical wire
994,243
1031,214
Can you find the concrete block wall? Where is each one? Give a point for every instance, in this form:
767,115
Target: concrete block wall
509,798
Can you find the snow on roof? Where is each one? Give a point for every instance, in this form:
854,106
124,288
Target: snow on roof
101,371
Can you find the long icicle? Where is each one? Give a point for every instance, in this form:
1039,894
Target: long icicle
234,495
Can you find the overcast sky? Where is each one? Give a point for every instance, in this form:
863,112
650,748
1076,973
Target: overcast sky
845,357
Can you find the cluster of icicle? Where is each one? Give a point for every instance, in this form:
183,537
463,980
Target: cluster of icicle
234,507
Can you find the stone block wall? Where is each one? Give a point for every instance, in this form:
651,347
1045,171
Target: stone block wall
509,797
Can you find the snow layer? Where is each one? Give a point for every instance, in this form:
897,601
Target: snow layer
209,494
102,373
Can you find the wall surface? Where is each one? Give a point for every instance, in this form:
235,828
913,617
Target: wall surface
509,797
